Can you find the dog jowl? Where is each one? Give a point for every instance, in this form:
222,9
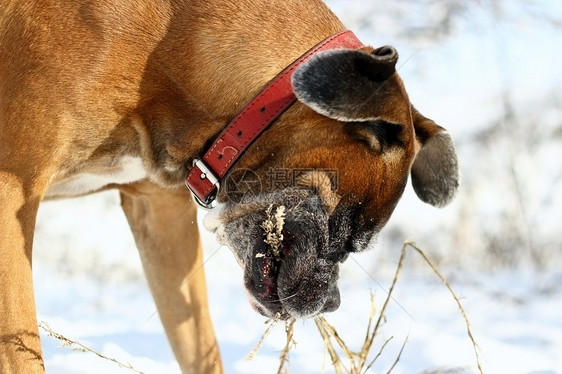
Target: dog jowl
337,182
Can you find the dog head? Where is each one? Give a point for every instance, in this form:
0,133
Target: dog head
328,175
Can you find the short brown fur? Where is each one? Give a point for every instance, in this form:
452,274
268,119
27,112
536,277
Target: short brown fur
85,83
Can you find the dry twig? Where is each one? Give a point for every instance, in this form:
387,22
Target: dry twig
271,322
290,343
357,362
457,300
273,227
79,347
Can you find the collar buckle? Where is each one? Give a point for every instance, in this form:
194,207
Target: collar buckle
210,200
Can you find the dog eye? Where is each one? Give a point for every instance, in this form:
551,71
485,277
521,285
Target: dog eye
387,133
379,135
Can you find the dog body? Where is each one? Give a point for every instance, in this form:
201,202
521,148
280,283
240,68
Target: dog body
119,94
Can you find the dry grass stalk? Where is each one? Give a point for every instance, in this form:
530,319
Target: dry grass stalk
289,344
273,227
457,300
271,322
357,362
326,331
79,347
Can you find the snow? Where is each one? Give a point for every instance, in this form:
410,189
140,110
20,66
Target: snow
89,284
514,314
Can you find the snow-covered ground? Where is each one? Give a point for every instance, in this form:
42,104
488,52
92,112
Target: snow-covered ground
89,284
89,287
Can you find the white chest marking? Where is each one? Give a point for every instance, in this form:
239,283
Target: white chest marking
127,170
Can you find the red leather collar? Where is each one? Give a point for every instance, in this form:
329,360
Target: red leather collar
207,173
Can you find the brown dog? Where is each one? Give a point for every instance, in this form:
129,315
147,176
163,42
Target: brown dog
126,94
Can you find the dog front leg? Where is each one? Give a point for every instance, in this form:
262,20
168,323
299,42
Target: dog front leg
20,347
164,224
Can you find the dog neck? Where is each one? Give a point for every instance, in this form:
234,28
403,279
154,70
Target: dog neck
233,55
207,173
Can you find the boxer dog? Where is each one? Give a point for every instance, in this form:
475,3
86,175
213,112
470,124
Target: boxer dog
143,95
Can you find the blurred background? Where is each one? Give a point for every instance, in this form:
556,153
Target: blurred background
489,71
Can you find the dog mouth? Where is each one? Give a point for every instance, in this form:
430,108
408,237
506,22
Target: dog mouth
295,282
263,275
289,270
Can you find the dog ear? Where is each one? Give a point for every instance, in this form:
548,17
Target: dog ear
435,171
341,84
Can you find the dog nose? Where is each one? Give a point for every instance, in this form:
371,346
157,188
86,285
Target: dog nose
332,302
